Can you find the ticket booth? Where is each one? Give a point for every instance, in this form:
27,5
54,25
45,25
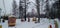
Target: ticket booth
11,21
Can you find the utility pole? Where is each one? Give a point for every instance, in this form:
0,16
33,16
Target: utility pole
38,9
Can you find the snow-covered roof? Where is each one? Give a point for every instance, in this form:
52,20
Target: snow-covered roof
12,16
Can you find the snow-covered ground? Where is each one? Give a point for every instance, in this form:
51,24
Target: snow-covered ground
44,23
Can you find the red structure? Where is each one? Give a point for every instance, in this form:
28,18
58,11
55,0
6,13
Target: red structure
11,21
50,26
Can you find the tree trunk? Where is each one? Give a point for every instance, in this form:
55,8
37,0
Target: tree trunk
25,11
38,10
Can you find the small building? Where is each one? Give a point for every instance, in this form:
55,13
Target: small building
11,20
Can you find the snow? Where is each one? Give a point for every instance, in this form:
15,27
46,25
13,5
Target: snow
44,23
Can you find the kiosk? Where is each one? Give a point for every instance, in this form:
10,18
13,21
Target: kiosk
11,20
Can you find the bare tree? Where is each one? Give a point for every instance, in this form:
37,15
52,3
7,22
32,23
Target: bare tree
21,8
14,5
38,9
25,11
0,14
47,8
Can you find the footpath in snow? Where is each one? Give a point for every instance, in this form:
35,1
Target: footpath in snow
44,23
